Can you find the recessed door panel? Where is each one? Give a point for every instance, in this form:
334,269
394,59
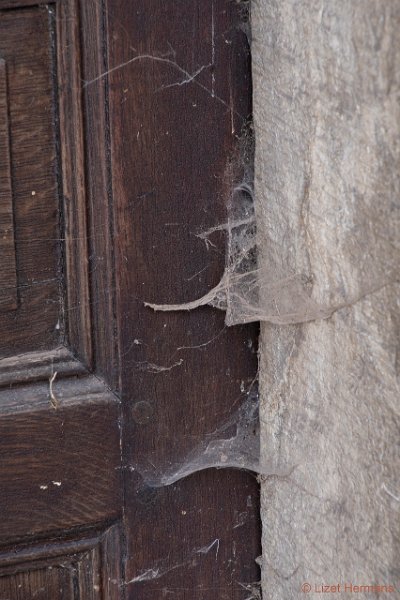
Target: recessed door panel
31,272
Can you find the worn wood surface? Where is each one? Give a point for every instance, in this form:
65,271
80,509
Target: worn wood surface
327,120
99,191
60,465
8,4
38,584
60,457
47,180
171,143
72,165
8,271
32,130
85,566
139,159
39,366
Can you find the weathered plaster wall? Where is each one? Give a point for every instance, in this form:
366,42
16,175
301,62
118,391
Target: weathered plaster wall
327,120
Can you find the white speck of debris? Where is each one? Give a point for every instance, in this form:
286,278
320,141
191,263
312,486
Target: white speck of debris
33,193
57,327
57,483
137,342
43,487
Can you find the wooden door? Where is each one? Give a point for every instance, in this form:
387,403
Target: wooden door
119,124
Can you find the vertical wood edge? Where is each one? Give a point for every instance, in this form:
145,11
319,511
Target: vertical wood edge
99,193
73,180
8,271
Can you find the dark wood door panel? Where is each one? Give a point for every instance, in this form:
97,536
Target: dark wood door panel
60,438
26,47
87,566
45,187
163,91
60,457
40,584
180,98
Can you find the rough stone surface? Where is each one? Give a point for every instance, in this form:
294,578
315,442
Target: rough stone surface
327,120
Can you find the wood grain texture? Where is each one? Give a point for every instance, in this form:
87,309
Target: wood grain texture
34,182
99,192
46,107
22,556
40,584
86,565
171,144
60,466
7,4
99,571
8,274
76,260
35,366
327,178
158,158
